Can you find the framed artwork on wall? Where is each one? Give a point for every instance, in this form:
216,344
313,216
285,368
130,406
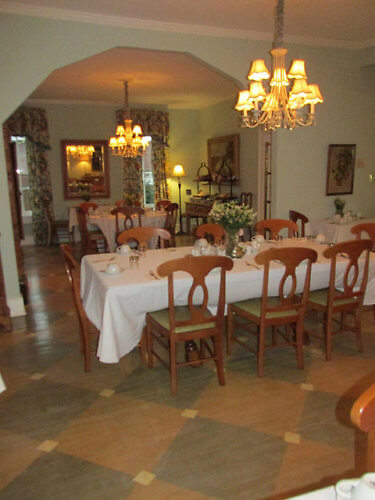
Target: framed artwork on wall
223,155
340,169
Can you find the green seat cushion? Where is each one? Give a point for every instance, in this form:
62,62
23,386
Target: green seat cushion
182,314
321,297
253,307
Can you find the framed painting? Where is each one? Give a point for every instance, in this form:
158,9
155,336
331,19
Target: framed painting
340,169
223,155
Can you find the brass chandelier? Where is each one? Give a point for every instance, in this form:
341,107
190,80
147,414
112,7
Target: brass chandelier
128,142
278,108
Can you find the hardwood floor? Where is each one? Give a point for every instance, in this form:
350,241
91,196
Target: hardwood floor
117,433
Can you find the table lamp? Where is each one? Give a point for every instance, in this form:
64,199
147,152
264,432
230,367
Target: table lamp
178,171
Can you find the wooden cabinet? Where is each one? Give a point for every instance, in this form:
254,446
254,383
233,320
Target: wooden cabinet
196,209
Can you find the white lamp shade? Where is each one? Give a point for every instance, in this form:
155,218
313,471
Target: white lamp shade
243,102
178,171
297,69
258,71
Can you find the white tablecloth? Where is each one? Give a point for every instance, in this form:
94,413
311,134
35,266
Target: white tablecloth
107,224
333,231
117,305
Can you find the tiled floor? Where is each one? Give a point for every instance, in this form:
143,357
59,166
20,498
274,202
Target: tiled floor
116,432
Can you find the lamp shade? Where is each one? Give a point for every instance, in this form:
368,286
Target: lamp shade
258,71
178,171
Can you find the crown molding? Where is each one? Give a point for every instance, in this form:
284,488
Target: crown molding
105,19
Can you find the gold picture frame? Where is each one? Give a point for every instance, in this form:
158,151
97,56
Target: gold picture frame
340,169
223,157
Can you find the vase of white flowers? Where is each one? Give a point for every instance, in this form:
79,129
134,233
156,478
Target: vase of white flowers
232,217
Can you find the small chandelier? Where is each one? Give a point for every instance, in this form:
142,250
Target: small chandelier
81,152
128,142
278,108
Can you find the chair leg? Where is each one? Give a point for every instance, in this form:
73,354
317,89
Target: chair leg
230,330
142,347
261,341
358,329
173,366
328,335
149,342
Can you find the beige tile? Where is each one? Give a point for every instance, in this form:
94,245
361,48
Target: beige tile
307,387
144,477
106,393
291,437
188,413
47,446
37,376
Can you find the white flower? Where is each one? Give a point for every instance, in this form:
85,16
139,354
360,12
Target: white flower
231,216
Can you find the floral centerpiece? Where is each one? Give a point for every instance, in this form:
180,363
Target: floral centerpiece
232,217
339,205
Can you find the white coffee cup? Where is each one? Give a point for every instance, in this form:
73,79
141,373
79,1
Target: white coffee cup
201,243
357,489
124,249
112,268
195,252
320,238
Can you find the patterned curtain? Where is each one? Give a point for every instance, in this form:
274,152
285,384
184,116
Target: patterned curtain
156,124
32,123
132,178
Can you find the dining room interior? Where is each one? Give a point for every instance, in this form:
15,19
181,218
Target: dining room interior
116,431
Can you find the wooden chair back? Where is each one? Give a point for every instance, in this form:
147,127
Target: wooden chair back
365,227
274,226
144,235
72,269
354,283
170,222
288,300
246,199
129,213
162,204
120,203
86,205
86,243
299,218
363,416
212,231
198,268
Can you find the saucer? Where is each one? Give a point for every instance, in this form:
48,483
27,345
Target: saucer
113,274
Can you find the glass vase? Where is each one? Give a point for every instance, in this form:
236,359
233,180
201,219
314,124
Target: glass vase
232,243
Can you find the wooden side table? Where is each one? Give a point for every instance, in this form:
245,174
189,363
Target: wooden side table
196,209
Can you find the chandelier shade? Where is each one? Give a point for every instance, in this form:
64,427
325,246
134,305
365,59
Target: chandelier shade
128,141
278,108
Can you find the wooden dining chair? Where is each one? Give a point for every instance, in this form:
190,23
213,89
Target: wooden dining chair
162,204
130,213
170,222
284,309
86,205
365,227
214,233
246,199
86,328
362,416
144,235
193,322
56,229
120,203
274,226
300,219
346,298
91,241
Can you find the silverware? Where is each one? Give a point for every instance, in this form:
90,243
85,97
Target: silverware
252,265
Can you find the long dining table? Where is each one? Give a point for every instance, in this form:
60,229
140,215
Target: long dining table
117,304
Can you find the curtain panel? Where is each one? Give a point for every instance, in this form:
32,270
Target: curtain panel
156,124
32,123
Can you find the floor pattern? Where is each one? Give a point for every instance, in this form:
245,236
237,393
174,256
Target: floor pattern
117,433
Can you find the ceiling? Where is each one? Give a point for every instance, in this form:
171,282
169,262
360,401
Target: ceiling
177,80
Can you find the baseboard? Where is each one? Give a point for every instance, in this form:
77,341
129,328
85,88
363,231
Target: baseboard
16,306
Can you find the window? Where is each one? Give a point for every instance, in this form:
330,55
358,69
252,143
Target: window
148,176
23,177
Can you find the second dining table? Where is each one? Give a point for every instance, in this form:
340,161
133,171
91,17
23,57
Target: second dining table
334,230
107,223
117,304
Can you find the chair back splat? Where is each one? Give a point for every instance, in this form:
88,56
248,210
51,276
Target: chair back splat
162,204
170,222
299,218
283,305
194,321
129,214
144,235
274,226
211,231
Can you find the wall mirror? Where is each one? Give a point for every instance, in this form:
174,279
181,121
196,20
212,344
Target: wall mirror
85,169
